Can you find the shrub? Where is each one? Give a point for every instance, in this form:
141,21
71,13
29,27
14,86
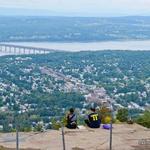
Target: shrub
144,119
122,115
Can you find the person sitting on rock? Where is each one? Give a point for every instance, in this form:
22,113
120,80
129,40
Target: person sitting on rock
71,119
93,120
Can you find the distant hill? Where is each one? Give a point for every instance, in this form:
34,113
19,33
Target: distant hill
85,29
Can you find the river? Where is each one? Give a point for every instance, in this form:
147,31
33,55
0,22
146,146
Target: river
90,46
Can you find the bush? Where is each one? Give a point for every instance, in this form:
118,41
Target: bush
107,119
56,125
144,120
105,115
38,128
122,115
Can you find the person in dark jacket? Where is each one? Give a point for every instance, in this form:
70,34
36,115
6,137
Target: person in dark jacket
71,119
93,120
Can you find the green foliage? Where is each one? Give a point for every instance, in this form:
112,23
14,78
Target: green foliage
144,119
80,120
35,118
52,104
6,127
23,122
1,102
122,115
65,29
56,125
38,127
105,115
124,75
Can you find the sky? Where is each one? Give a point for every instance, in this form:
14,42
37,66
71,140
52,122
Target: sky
78,7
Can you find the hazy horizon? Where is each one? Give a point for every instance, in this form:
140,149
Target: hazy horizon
94,8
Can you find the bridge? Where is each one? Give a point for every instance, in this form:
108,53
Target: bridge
16,49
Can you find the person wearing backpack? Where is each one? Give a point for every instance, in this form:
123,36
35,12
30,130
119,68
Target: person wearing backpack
92,120
71,119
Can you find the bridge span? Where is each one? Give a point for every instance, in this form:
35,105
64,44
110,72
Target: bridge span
17,49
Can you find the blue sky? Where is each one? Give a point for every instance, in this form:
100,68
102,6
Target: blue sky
79,7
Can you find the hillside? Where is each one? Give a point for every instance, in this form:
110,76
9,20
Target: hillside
71,29
125,137
43,87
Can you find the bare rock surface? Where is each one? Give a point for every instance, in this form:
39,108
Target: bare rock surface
125,137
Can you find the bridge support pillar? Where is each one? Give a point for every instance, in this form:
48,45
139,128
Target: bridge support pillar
1,48
14,49
19,50
34,51
5,49
9,49
24,51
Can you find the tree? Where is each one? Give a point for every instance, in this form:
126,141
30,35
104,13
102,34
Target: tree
105,114
39,127
144,120
122,115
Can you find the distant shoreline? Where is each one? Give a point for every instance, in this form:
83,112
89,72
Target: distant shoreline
90,46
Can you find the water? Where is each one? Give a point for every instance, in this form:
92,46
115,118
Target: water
90,46
2,54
